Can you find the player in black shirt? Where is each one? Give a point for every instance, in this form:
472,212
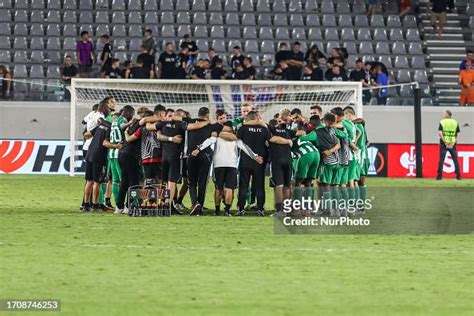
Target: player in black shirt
218,72
256,136
106,55
167,62
237,58
193,50
148,61
199,161
96,159
295,62
249,69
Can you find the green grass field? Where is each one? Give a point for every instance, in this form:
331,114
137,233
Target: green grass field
101,264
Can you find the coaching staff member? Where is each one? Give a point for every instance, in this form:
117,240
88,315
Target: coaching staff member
448,133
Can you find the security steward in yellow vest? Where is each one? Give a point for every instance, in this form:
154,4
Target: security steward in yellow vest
448,133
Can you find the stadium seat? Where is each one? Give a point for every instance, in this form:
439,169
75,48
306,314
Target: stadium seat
311,6
330,34
248,19
249,32
418,62
267,47
5,42
363,34
85,5
20,29
280,20
386,60
279,6
103,29
403,76
232,18
150,5
183,30
20,43
86,17
343,7
182,5
5,56
426,102
330,45
69,44
202,45
36,71
231,6
420,76
393,21
54,17
415,49
380,35
393,101
134,5
219,45
265,33
251,46
214,6
382,48
399,48
21,4
262,6
20,57
135,18
198,5
37,30
264,20
366,48
119,18
246,6
295,6
409,21
21,16
37,16
54,4
217,31
53,43
401,62
361,21
329,20
347,34
166,5
5,29
168,31
345,20
413,35
327,7
298,33
406,91
69,30
396,35
118,5
281,33
312,20
214,19
19,71
232,43
167,17
351,48
135,31
151,18
314,34
71,17
183,18
135,44
37,43
200,31
377,21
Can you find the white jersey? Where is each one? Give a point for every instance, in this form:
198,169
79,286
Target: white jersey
226,154
92,121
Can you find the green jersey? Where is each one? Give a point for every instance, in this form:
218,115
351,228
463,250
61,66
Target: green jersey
305,144
237,121
351,132
362,141
117,135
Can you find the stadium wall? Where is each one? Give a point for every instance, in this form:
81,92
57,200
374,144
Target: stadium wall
386,124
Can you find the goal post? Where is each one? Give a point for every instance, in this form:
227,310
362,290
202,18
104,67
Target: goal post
266,97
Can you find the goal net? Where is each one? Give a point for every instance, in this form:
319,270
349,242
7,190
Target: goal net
266,97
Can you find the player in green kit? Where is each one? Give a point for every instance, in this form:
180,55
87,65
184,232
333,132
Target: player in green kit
362,143
354,161
117,136
106,187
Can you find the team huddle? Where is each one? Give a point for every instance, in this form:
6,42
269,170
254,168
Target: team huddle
320,157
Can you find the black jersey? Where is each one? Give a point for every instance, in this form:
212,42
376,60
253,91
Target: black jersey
198,136
97,153
279,152
133,148
168,65
256,137
170,129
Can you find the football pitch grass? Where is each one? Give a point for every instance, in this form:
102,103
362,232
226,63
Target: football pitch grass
101,264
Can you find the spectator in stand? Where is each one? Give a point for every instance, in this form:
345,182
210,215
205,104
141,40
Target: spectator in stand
469,58
148,60
213,57
381,81
149,42
127,66
167,62
359,74
282,53
106,55
295,62
438,16
7,85
69,72
218,72
335,74
237,58
139,71
375,64
466,80
239,73
85,55
193,50
314,55
335,59
372,9
405,7
249,69
344,54
182,63
113,72
200,69
313,72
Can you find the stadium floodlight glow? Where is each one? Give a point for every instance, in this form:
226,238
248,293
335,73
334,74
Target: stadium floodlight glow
267,97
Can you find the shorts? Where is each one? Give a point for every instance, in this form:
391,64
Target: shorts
441,17
281,173
364,167
343,175
308,166
328,174
152,170
466,96
94,171
114,168
225,178
354,170
170,168
84,68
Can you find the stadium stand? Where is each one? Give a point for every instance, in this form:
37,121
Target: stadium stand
35,35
